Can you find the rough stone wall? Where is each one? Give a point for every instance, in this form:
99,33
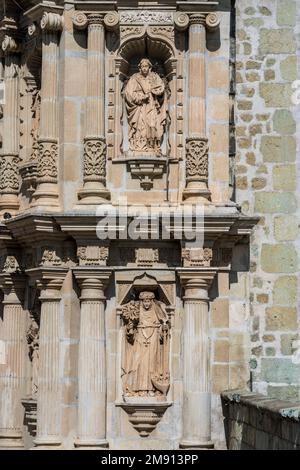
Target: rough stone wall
267,157
253,422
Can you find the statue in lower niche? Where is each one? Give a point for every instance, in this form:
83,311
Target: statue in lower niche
146,104
145,356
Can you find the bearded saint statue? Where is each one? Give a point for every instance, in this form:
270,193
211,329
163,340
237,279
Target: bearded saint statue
145,357
146,104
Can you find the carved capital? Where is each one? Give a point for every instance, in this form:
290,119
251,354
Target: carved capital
111,21
96,19
94,159
181,21
197,18
197,159
9,174
9,45
80,20
212,21
47,161
52,22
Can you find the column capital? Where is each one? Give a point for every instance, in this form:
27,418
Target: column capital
10,44
108,20
49,280
210,20
92,277
52,22
13,285
196,281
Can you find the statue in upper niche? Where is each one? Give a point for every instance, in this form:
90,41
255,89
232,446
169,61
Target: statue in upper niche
146,104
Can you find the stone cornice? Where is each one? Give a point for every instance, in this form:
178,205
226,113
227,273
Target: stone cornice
35,13
93,6
195,6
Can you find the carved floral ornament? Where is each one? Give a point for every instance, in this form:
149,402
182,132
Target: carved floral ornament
94,159
47,161
197,158
9,174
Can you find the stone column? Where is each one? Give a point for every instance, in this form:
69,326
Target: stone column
49,387
197,143
196,368
9,174
91,431
12,368
94,191
47,168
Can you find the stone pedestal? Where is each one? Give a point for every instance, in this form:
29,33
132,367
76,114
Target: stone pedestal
196,369
12,369
91,431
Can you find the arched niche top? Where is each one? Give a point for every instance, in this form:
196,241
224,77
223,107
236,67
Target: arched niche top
156,49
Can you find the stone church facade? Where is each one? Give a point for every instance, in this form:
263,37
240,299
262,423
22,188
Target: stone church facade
149,218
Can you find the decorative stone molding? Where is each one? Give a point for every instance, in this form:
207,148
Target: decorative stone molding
196,168
146,257
92,255
146,169
197,256
47,161
9,174
9,45
94,159
146,17
144,417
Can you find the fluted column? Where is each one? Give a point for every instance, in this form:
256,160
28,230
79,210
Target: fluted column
196,368
197,142
49,383
12,368
94,190
9,174
91,431
47,169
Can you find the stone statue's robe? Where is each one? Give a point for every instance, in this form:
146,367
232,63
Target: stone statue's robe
146,110
143,360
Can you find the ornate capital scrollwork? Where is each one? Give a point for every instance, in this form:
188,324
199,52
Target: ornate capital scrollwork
111,21
80,20
9,174
197,159
47,161
181,21
9,45
52,22
212,21
94,159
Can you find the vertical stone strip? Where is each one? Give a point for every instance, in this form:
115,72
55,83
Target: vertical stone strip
47,189
92,363
9,174
196,354
49,387
12,374
197,143
94,190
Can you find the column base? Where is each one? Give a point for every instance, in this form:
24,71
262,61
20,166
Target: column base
90,444
11,441
93,196
186,444
195,195
47,443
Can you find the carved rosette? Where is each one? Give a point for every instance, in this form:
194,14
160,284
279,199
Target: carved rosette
9,174
197,159
94,160
47,161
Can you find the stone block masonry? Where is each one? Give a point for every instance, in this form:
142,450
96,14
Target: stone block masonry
267,138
